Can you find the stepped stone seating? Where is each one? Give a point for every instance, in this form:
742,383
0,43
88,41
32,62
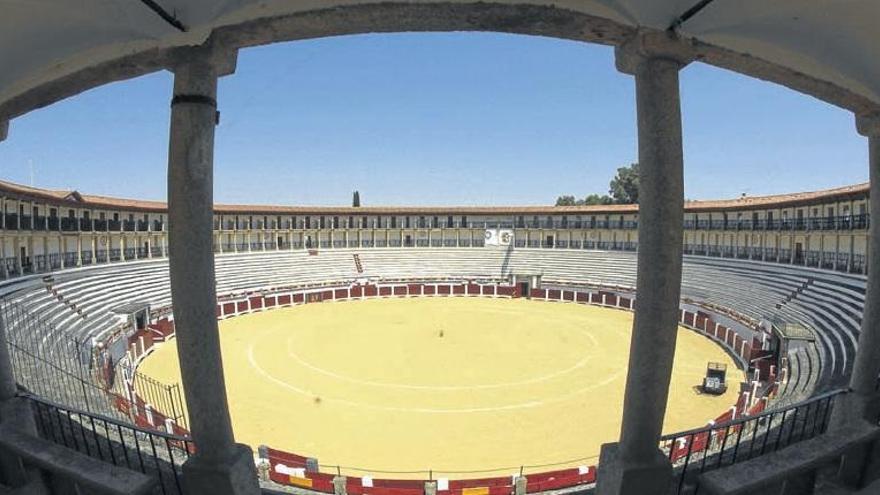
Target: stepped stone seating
827,302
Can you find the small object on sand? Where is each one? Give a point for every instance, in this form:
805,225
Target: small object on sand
317,399
441,333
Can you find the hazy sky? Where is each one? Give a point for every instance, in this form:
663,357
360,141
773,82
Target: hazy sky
457,118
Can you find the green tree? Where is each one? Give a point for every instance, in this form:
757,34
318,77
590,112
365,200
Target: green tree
566,201
356,199
595,199
624,187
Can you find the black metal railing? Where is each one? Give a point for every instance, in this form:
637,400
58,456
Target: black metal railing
156,454
69,224
696,451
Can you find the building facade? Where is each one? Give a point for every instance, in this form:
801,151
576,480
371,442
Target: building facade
44,230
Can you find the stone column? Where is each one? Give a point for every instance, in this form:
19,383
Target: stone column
636,465
15,411
861,403
16,246
220,466
79,250
8,389
3,270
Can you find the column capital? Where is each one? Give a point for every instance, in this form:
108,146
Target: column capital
868,124
221,59
652,44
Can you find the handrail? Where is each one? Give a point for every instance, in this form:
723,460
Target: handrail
104,418
84,471
746,418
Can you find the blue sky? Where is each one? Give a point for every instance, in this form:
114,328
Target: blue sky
457,118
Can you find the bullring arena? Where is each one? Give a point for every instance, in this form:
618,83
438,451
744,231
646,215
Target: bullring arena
348,350
515,381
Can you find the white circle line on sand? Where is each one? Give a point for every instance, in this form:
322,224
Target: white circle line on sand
506,407
580,364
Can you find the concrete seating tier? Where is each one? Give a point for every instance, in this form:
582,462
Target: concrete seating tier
78,304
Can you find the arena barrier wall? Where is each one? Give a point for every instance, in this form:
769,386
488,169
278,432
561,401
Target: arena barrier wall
294,470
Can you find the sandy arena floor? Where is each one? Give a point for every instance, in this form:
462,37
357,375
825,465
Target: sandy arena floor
451,384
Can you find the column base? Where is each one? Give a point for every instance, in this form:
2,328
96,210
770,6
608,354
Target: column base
852,408
235,475
617,476
16,413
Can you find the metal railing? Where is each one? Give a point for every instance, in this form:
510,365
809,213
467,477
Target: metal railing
156,454
63,369
696,451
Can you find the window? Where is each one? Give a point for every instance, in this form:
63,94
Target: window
54,212
449,221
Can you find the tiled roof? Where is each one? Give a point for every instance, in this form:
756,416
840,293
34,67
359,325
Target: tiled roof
74,199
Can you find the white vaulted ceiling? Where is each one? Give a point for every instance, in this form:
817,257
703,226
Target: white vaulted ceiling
50,49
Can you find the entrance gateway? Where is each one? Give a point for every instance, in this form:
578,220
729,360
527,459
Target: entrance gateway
524,283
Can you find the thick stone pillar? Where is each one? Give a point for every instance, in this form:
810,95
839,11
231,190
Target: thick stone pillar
4,272
220,466
636,465
863,402
15,411
8,389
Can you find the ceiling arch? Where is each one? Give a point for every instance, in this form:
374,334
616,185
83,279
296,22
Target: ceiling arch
53,49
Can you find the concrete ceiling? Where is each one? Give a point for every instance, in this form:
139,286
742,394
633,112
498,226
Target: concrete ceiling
51,49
